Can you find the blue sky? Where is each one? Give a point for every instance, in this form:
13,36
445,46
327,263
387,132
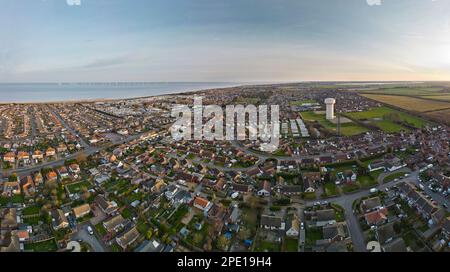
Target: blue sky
224,40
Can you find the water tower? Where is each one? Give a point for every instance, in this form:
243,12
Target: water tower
330,102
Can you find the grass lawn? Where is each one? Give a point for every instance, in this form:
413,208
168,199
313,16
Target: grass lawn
377,116
348,129
100,229
391,177
330,189
291,245
46,246
301,102
312,235
76,187
348,188
309,196
266,246
126,213
367,181
339,211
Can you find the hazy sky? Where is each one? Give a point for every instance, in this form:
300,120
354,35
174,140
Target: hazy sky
224,40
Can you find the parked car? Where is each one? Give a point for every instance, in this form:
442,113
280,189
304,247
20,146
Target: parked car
90,230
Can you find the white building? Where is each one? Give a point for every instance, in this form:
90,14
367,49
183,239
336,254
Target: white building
330,102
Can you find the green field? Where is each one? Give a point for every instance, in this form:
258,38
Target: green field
383,117
77,187
407,91
348,129
301,102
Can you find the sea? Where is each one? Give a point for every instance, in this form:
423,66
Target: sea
55,92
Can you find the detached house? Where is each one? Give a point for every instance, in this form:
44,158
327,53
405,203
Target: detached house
81,211
265,190
272,222
127,238
9,157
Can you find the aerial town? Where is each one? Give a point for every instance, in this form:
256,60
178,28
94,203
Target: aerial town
359,168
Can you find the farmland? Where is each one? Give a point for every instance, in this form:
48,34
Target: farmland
387,119
409,103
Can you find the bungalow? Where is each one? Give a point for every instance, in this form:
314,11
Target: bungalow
108,207
371,204
265,189
325,217
334,232
272,222
376,218
59,219
81,211
9,157
385,233
202,204
127,238
114,224
293,227
74,168
290,190
241,188
397,245
377,165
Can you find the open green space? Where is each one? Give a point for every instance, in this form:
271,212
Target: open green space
347,129
78,186
291,245
394,176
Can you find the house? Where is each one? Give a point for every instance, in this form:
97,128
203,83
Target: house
9,157
114,224
272,222
59,219
202,204
309,181
61,148
334,232
11,188
28,186
38,180
265,189
108,207
385,233
63,173
81,211
23,235
325,217
74,168
377,165
446,228
241,188
371,204
290,190
23,156
293,227
37,155
52,176
397,245
127,238
50,152
376,218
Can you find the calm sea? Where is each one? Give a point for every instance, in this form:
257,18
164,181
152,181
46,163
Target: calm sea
45,92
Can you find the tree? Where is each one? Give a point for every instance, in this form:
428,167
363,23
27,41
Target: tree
149,234
197,238
244,233
223,243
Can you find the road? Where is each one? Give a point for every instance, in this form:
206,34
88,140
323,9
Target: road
82,234
346,201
